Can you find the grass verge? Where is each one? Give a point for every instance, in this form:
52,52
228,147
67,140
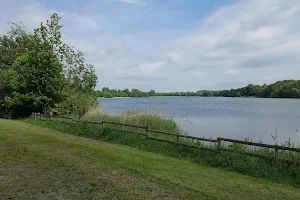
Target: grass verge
39,163
256,167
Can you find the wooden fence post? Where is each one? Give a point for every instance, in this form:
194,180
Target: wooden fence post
276,151
148,135
219,143
148,132
177,139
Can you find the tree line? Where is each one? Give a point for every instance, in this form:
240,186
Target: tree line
40,73
280,89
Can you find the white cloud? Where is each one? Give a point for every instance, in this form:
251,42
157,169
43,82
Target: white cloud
150,68
259,35
231,71
253,41
131,1
175,57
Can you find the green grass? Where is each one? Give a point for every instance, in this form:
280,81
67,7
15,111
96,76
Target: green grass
153,118
39,163
256,167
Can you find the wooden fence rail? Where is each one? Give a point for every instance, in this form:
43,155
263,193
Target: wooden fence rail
260,144
184,136
218,141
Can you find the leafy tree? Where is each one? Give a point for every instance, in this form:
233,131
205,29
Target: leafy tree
107,94
35,80
105,89
12,45
127,91
123,94
151,93
80,75
40,73
238,94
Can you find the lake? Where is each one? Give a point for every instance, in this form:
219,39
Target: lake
237,118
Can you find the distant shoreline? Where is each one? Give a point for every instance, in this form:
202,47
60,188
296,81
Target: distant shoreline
201,97
116,97
279,89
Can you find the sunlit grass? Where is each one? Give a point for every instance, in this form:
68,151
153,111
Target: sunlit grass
39,163
269,169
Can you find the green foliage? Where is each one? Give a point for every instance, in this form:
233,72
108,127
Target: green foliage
110,93
36,82
76,104
152,93
280,89
238,94
107,95
80,75
40,73
12,45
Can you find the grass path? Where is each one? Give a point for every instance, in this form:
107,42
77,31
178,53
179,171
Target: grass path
39,163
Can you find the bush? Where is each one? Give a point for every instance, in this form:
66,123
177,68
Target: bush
75,105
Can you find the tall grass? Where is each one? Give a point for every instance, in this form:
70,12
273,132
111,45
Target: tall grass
135,117
268,169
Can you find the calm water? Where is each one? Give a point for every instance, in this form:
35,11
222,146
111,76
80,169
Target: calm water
236,118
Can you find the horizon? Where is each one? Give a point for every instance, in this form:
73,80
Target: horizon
175,45
198,89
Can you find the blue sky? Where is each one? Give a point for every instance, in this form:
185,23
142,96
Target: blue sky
175,45
138,21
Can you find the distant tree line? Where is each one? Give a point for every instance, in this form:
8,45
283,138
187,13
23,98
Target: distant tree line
40,73
110,93
280,89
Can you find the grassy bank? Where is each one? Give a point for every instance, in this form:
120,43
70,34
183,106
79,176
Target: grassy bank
256,167
39,163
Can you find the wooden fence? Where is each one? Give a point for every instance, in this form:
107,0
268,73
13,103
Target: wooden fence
218,142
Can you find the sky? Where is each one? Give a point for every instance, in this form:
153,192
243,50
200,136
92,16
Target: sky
174,45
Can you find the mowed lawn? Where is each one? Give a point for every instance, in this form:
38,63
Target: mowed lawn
38,163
